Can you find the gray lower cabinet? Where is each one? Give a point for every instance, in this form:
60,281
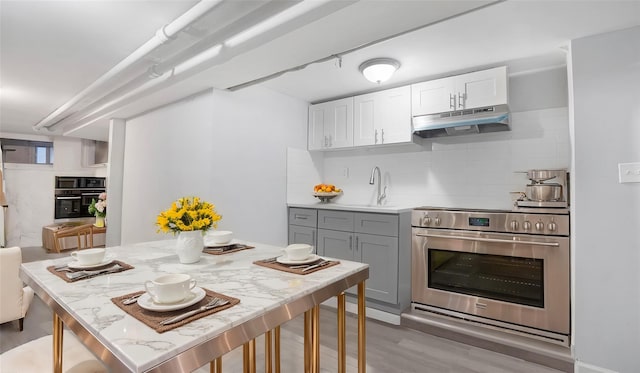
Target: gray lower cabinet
382,240
299,234
335,244
303,226
348,235
381,253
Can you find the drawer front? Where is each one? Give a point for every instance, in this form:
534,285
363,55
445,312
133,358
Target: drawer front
303,217
335,220
380,224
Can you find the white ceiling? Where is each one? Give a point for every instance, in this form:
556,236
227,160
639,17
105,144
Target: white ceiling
51,50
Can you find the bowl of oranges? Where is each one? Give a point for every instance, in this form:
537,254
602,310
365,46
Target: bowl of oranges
325,192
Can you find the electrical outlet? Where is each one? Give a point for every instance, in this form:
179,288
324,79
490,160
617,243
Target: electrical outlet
629,172
345,172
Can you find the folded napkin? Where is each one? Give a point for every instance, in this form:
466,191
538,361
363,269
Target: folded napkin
297,269
227,249
63,274
152,319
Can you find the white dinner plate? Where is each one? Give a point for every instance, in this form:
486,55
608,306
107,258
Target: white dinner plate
76,265
284,260
195,295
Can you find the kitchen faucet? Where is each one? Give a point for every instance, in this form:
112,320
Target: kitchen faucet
372,180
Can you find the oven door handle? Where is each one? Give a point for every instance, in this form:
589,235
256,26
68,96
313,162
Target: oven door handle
68,197
495,240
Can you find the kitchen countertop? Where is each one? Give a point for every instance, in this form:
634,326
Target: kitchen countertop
393,209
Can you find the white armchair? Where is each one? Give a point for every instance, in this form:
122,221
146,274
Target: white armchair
15,299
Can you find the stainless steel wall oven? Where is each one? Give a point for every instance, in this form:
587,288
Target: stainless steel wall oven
501,268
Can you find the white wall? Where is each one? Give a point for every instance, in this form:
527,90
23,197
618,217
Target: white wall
606,125
304,170
167,155
29,188
228,148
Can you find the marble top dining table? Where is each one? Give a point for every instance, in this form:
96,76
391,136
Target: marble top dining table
268,298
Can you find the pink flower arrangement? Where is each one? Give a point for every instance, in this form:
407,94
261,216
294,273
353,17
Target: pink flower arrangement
99,207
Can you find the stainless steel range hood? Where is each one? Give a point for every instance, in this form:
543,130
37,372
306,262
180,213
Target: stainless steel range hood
462,122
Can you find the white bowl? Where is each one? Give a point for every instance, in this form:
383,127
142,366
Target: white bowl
219,237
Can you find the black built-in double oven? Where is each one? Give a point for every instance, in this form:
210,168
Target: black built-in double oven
73,195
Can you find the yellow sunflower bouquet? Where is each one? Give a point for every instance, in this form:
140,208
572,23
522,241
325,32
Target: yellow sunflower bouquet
188,214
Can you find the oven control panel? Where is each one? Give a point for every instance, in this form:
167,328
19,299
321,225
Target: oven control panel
490,221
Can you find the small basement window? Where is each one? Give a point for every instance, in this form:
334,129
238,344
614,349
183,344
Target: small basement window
26,151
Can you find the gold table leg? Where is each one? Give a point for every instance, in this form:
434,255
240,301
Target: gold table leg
267,352
362,337
342,352
307,341
277,348
215,366
245,358
252,356
249,356
315,325
58,328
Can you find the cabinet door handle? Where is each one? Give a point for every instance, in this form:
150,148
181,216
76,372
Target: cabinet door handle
462,98
375,137
350,242
382,136
301,217
313,239
357,248
452,101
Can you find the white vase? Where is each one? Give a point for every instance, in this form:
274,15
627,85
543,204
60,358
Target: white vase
189,246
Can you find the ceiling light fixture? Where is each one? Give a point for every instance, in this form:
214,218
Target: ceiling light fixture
378,70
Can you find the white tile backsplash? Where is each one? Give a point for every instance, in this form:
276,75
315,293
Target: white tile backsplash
472,172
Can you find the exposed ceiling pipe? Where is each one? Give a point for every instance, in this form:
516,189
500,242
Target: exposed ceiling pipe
112,106
220,31
161,36
217,54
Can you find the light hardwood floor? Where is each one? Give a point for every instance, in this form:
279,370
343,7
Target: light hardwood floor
390,348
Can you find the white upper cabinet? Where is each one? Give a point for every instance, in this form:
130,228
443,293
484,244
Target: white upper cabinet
331,125
434,96
467,91
383,117
482,88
